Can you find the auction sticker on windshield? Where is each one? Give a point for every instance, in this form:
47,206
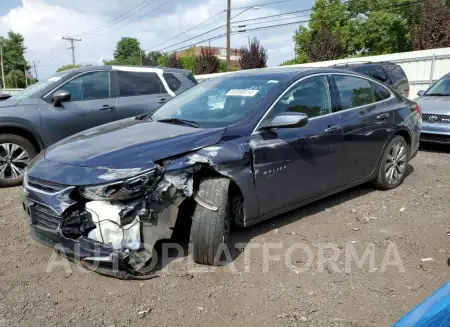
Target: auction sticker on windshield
242,92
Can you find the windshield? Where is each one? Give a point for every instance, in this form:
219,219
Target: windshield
442,87
35,88
219,102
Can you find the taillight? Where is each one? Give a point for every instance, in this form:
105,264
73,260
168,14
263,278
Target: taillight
419,110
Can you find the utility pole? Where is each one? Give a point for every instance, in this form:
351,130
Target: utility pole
35,71
25,74
72,40
1,64
140,53
228,33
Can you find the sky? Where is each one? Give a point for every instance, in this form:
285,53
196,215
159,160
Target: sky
101,23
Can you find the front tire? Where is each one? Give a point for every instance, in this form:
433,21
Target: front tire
210,229
16,153
392,168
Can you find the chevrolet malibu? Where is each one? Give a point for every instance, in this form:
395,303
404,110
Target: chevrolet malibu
238,149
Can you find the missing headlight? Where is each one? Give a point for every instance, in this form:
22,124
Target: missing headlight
116,191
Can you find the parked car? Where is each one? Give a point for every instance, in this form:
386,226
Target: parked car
435,104
4,96
282,139
387,72
75,100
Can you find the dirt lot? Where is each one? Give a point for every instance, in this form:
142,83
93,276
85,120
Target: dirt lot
401,227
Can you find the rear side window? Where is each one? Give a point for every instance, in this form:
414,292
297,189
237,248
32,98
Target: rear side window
380,92
192,78
397,73
353,91
139,83
172,81
374,71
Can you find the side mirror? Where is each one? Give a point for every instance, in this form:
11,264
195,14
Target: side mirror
421,93
288,120
59,97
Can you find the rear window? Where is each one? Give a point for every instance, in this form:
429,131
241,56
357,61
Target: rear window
380,92
397,73
139,83
376,72
172,81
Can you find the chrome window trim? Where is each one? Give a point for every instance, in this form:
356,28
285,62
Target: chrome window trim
80,74
255,130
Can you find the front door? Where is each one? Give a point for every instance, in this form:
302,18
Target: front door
294,164
90,105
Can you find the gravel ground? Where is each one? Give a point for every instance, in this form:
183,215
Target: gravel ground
401,227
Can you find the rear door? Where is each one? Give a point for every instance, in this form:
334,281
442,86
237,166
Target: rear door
139,92
367,115
91,104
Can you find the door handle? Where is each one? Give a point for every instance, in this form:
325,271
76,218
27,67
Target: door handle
162,101
333,128
107,107
382,116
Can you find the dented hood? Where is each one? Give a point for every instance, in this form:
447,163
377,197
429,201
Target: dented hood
130,143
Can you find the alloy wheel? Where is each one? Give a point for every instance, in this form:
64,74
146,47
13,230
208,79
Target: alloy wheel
13,161
395,166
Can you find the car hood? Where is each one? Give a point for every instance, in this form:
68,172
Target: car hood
130,144
434,104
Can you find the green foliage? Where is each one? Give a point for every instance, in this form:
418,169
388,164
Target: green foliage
151,58
173,61
14,62
162,60
358,28
128,52
188,62
222,66
66,67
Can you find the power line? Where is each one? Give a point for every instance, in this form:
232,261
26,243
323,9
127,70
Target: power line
264,4
139,18
176,36
52,55
119,18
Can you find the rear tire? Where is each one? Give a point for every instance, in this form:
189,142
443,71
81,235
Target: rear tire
210,229
16,153
392,168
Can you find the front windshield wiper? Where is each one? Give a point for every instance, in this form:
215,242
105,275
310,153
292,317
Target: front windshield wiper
179,121
438,94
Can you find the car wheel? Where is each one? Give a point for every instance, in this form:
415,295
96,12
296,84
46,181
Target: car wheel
393,163
210,229
16,153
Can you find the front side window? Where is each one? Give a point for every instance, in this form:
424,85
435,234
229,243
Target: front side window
221,101
441,87
89,86
353,91
310,97
139,83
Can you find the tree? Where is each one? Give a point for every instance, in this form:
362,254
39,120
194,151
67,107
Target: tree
66,67
151,58
173,61
128,52
433,28
14,62
325,45
253,56
207,62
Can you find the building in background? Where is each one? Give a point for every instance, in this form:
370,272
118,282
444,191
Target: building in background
221,53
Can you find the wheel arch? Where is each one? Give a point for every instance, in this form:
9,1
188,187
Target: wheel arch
21,130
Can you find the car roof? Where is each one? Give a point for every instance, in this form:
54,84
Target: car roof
133,68
285,72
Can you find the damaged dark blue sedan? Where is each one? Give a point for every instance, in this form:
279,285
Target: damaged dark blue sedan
240,149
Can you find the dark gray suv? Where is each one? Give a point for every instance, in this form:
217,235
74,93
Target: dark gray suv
75,100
